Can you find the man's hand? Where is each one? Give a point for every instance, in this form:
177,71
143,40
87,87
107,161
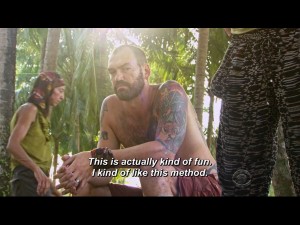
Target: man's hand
74,172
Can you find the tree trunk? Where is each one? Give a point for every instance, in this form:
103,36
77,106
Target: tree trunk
8,38
43,53
49,64
282,181
200,71
51,49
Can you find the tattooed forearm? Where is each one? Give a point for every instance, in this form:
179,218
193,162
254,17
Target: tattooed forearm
172,117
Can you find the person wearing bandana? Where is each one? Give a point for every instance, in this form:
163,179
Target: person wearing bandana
29,142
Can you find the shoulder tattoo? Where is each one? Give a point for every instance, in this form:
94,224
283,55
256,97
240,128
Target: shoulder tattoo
172,117
103,135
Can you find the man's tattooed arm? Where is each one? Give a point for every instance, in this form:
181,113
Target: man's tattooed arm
103,134
107,137
104,110
172,116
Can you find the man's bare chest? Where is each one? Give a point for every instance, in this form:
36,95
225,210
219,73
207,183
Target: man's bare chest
132,132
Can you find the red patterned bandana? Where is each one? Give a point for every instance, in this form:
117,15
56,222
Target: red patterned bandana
43,88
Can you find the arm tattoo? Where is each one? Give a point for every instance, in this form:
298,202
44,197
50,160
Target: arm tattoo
103,110
172,117
104,135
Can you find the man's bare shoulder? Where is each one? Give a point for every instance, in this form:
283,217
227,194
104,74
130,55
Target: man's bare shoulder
110,104
112,100
169,93
170,85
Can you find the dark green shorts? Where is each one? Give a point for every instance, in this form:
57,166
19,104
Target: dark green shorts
23,183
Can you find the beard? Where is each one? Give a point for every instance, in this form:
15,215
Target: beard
133,90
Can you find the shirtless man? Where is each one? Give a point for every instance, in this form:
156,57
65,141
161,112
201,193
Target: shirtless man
150,121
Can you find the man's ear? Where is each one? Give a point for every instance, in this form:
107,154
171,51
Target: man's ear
147,71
